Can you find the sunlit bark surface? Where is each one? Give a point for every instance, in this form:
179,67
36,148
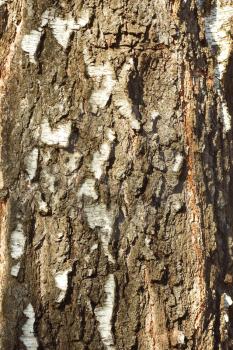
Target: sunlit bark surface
116,171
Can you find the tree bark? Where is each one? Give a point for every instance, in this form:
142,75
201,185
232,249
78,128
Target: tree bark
116,177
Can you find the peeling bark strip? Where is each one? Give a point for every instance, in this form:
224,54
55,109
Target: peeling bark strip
32,163
179,160
61,280
103,74
61,28
88,189
104,313
30,44
17,242
99,158
99,216
58,136
15,269
28,337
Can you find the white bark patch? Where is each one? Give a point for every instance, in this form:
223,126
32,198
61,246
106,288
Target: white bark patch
111,135
147,242
2,2
63,27
61,281
28,337
15,270
227,300
30,44
104,313
226,117
100,97
177,337
104,77
154,115
135,124
226,318
18,240
1,180
99,159
121,98
99,217
88,189
179,160
218,25
94,247
59,136
31,163
62,30
46,17
83,19
43,207
180,338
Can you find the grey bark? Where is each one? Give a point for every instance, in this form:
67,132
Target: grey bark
116,175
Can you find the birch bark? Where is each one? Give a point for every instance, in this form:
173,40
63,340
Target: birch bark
116,175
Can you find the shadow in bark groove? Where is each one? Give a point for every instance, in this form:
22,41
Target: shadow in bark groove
228,85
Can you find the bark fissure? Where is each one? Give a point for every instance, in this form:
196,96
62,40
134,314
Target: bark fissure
116,223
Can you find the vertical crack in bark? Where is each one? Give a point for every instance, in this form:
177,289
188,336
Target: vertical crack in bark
194,214
156,334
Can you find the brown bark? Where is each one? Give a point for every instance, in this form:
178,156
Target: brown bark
116,175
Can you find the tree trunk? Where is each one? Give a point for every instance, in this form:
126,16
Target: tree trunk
116,177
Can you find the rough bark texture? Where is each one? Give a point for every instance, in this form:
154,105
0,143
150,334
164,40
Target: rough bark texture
116,174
